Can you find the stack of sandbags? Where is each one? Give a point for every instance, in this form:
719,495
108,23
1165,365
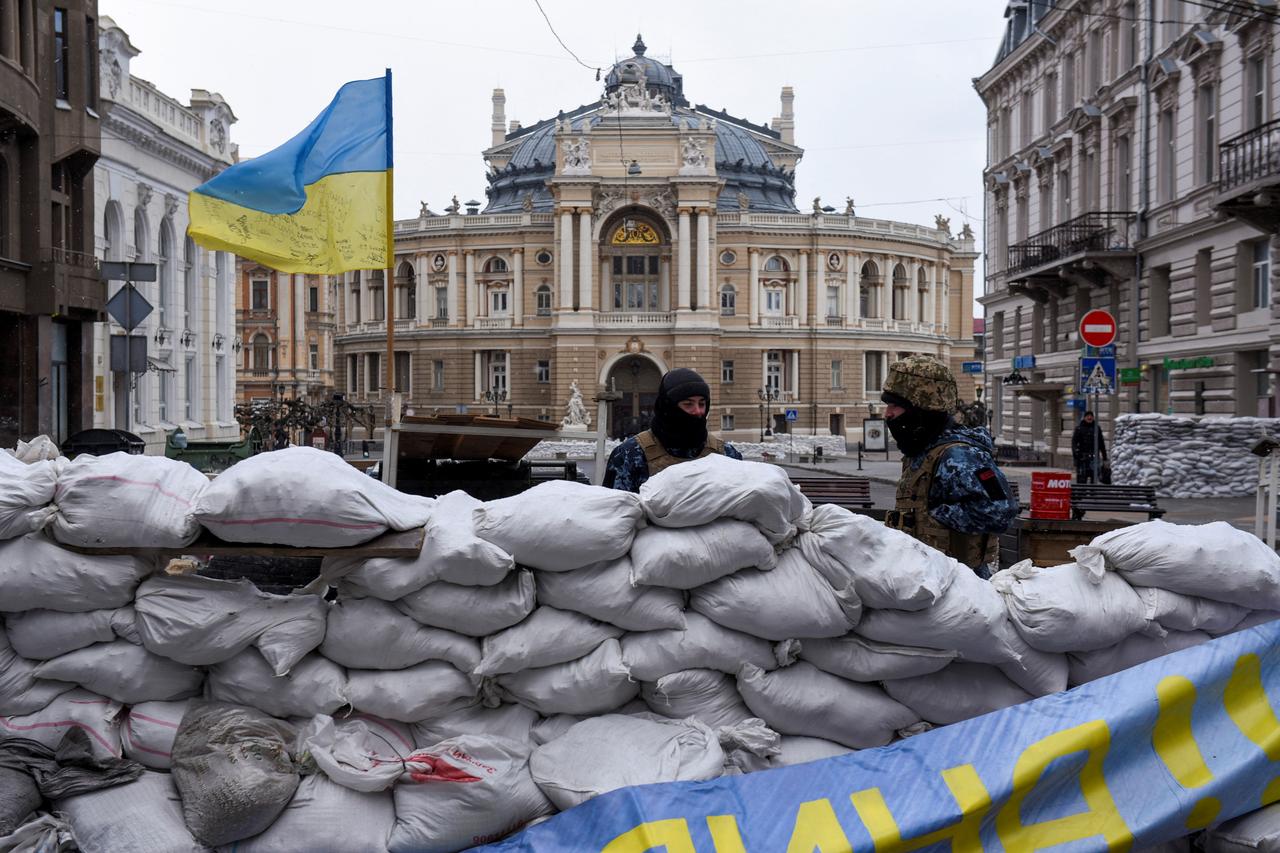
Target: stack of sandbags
26,490
1186,457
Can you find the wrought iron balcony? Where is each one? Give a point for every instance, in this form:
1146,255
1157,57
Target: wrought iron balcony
1092,236
1249,176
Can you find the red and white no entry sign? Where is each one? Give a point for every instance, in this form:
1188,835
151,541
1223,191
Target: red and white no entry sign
1098,328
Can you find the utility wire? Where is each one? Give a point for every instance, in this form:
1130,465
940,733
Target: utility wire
561,41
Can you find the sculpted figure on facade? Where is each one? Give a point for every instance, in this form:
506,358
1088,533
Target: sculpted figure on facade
966,233
694,153
576,416
453,207
744,201
526,203
848,205
817,204
144,195
942,223
577,156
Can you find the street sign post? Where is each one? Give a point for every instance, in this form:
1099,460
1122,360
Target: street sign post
1097,376
128,308
1098,328
793,415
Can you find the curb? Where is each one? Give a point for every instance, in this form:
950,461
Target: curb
875,478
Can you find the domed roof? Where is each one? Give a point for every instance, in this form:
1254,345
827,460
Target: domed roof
656,75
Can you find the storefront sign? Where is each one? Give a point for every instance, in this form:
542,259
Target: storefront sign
1130,375
1188,363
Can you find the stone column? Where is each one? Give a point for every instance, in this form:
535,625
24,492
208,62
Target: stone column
606,285
682,271
451,289
704,260
764,375
853,287
585,283
517,287
802,290
479,376
886,288
753,285
664,284
473,306
565,259
913,295
793,368
419,290
818,266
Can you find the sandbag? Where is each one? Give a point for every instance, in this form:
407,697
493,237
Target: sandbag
1039,673
45,634
791,749
689,557
476,611
549,728
429,689
1214,561
479,790
704,490
203,621
148,732
890,570
561,525
122,500
324,817
233,769
305,497
98,716
124,672
604,592
67,582
607,753
959,692
511,721
803,700
315,685
21,692
789,601
593,684
19,797
705,695
354,753
548,636
857,659
703,644
1174,611
25,494
1251,832
1090,666
367,633
1257,617
1065,608
142,815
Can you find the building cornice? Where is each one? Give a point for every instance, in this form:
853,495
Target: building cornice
142,133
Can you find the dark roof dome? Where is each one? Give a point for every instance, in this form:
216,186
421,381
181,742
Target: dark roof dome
657,76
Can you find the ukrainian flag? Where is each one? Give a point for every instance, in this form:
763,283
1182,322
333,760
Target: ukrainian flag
320,203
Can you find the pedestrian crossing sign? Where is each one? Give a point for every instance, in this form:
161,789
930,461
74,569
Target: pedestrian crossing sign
1097,376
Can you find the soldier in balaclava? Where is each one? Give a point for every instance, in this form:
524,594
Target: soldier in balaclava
677,433
951,494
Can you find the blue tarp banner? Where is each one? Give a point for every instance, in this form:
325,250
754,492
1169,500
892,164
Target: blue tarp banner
1137,758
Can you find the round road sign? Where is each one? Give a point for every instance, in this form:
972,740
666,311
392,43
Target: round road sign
1098,328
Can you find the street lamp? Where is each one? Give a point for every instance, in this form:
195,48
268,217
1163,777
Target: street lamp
767,396
494,396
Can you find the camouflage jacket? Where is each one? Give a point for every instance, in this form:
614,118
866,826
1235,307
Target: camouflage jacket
627,467
959,498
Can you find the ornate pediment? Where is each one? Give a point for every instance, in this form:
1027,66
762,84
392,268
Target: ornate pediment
1202,51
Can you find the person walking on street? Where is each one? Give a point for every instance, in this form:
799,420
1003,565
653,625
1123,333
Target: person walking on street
677,433
1087,445
951,495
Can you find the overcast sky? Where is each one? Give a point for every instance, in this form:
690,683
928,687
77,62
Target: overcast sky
885,107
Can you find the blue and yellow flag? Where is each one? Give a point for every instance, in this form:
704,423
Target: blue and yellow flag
320,203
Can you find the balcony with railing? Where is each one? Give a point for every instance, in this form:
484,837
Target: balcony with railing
1249,176
493,322
1087,247
632,319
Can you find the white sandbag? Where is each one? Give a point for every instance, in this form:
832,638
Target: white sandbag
480,790
148,731
476,611
353,753
67,582
420,692
1065,608
549,728
1038,673
98,716
703,644
970,618
1214,561
324,817
21,692
791,749
203,621
305,497
26,492
704,490
611,752
561,525
604,592
857,659
548,636
889,569
1251,832
145,814
366,633
692,556
708,696
1254,619
789,601
1090,666
124,672
126,500
959,692
803,700
1174,611
45,634
593,684
515,722
42,447
315,685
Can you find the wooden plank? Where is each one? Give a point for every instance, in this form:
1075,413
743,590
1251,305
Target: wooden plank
393,543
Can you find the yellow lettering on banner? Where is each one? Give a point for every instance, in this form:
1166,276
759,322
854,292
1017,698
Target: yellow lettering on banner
970,795
670,835
1102,817
1247,705
817,827
1174,741
725,836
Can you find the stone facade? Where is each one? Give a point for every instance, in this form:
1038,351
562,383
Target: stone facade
687,250
1132,167
284,335
155,151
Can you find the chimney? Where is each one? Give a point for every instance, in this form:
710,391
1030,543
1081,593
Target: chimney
499,117
515,125
786,123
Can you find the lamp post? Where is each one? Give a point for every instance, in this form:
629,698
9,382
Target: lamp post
494,397
767,396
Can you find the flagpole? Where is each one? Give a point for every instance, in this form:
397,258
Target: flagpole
389,291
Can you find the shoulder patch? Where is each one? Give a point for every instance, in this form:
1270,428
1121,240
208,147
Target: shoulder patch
991,484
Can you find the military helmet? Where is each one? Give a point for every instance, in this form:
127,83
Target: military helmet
924,382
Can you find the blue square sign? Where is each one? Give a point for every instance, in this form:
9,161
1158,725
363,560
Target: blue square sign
1097,376
793,415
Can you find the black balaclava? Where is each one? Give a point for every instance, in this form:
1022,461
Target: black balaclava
673,426
915,428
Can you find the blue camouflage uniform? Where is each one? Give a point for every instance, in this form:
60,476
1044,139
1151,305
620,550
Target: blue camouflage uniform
969,493
627,468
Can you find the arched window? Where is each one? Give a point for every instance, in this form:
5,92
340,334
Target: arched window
164,275
899,275
261,350
868,300
495,265
776,263
728,301
113,241
188,283
406,292
377,296
543,297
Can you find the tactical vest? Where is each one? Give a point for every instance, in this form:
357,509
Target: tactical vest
657,457
911,515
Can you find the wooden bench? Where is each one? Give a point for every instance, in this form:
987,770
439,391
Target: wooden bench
1095,497
848,492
